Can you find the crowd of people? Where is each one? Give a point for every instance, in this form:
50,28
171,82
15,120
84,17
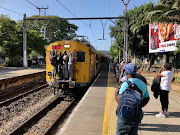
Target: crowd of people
62,64
133,95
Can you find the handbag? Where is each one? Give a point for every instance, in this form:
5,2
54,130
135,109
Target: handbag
155,87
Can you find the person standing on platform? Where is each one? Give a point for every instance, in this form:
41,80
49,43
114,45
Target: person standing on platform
165,87
65,65
125,125
70,65
117,69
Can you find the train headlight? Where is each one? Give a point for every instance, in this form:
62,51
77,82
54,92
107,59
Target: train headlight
67,46
49,73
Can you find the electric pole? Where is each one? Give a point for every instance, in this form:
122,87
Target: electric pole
43,22
25,63
126,31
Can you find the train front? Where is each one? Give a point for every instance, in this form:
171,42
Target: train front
60,57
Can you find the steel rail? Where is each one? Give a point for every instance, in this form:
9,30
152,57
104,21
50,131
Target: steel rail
19,90
22,95
47,132
34,117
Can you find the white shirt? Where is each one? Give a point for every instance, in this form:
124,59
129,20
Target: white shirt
124,78
166,80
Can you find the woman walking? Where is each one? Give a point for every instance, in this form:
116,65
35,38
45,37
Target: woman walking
165,87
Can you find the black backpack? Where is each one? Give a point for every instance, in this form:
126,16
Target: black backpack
142,78
130,105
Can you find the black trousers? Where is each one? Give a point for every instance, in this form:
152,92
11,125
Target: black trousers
164,98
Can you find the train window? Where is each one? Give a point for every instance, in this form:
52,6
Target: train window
80,56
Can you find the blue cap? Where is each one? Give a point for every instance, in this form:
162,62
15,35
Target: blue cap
130,68
64,51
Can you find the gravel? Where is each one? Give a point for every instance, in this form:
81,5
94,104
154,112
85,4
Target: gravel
20,110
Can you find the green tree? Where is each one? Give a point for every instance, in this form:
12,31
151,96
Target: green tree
56,30
114,50
33,55
10,43
138,35
165,11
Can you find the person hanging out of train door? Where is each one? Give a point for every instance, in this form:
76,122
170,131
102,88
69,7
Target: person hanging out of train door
70,65
65,65
54,63
60,65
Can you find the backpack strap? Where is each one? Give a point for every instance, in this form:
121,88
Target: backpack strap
128,82
138,90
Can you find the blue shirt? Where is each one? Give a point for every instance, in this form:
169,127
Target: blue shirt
141,85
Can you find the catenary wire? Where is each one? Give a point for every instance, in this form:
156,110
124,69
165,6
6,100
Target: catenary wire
11,10
77,17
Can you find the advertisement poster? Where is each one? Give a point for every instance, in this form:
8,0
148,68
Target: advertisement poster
163,36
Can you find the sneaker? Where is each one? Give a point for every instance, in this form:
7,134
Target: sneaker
160,115
166,113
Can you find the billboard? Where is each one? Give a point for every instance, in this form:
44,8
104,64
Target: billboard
163,36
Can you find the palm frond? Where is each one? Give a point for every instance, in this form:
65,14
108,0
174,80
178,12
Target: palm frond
164,16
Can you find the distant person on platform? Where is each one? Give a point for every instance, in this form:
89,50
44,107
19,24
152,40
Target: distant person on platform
70,65
65,65
165,87
117,70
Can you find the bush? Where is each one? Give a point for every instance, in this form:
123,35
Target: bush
13,63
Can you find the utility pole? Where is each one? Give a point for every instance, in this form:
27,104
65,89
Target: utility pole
25,63
43,22
126,32
126,35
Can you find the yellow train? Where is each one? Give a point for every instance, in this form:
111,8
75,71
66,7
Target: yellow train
88,62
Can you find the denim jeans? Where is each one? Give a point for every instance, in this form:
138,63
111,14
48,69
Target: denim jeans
124,128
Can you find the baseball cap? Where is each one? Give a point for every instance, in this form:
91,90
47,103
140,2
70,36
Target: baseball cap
130,68
64,51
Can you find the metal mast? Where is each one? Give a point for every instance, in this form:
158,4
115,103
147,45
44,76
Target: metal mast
126,31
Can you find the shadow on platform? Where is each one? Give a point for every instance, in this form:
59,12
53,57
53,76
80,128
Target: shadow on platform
172,114
160,127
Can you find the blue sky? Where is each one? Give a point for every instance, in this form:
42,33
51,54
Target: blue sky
80,8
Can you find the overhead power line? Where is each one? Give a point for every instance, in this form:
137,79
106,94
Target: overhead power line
66,8
76,17
43,12
31,3
11,10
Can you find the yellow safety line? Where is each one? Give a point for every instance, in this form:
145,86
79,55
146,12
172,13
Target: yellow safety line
105,123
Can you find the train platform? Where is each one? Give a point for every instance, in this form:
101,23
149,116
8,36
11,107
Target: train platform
95,114
9,72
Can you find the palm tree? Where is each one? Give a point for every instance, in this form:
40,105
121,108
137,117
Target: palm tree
165,11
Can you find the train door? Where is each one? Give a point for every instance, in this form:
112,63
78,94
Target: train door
83,68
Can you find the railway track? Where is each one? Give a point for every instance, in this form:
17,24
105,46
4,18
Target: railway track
18,90
12,96
44,120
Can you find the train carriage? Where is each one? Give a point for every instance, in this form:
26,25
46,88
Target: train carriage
87,62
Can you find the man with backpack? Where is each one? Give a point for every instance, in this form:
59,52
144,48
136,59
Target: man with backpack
131,97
